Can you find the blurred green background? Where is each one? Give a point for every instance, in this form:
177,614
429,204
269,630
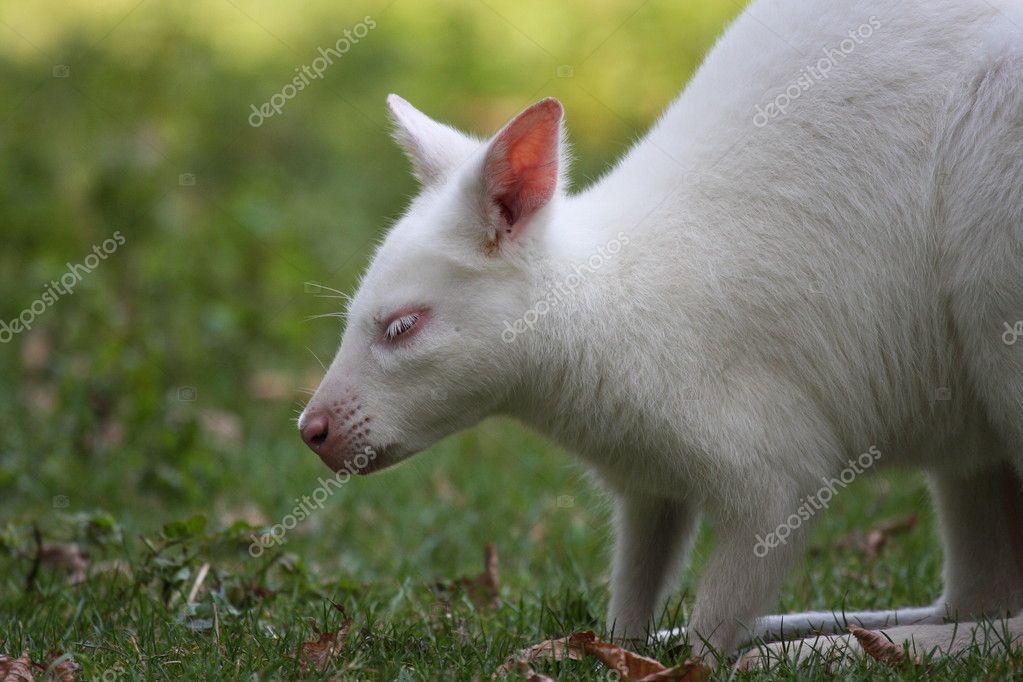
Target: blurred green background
168,382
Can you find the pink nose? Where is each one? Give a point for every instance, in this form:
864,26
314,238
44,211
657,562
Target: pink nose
316,431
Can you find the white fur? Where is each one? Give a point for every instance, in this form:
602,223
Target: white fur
789,295
922,643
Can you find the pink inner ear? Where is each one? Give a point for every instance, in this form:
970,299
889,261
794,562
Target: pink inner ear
521,170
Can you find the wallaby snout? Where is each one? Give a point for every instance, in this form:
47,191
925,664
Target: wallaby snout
339,432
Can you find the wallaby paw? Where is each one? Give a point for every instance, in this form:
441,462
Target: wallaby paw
833,651
670,635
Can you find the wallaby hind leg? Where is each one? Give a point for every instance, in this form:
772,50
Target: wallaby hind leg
981,518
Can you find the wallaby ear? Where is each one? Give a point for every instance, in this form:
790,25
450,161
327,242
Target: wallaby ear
522,167
433,148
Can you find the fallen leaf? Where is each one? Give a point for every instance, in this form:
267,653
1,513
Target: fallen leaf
484,589
692,670
635,668
16,669
56,668
874,541
629,665
327,647
68,557
878,646
547,650
878,537
64,670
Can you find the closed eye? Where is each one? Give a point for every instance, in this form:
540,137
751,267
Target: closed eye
401,325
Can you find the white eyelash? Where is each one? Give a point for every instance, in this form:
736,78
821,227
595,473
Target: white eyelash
400,326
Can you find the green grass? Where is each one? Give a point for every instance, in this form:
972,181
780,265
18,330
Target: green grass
166,385
378,550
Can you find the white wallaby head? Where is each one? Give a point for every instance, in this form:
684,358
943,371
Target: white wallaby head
422,355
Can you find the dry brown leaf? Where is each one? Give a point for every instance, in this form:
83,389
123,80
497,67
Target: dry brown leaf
629,665
878,646
68,557
874,541
64,671
547,650
16,669
484,589
20,669
327,647
692,670
635,668
878,537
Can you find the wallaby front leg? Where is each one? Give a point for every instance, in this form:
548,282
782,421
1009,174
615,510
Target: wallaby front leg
652,537
743,576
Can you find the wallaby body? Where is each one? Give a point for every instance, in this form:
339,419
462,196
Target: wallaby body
763,289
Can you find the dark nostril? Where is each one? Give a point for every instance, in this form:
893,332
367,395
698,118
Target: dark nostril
316,430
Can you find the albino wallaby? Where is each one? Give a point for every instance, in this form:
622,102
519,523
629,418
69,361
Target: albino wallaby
816,252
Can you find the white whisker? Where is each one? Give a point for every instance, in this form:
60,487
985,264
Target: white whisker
317,358
340,316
